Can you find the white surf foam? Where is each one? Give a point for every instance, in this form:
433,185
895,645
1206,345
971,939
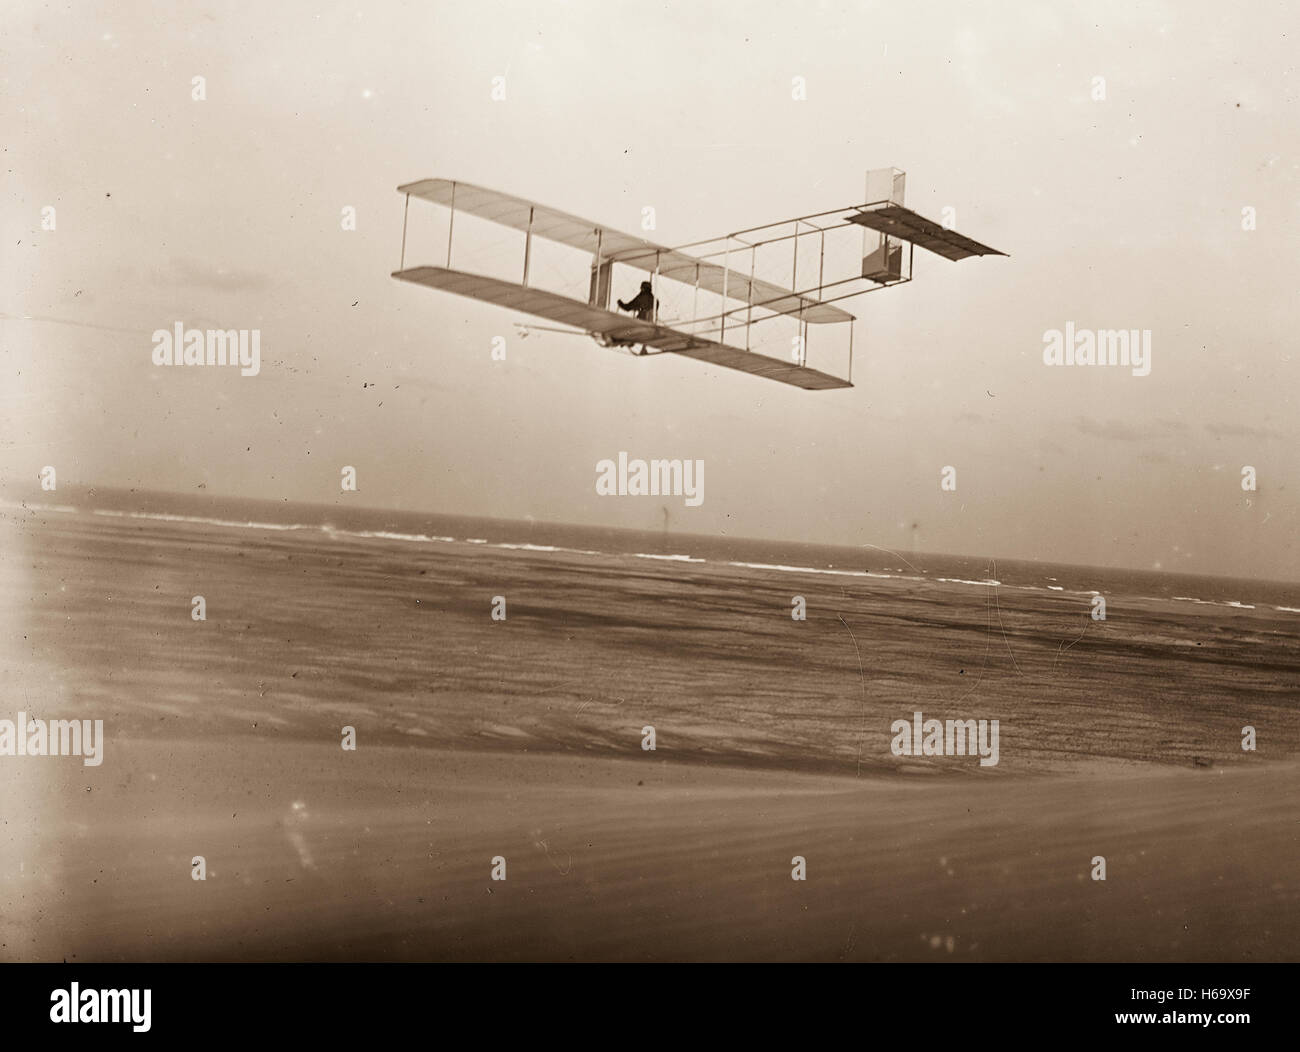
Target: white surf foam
421,538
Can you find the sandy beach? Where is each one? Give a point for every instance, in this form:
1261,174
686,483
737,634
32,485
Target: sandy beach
522,739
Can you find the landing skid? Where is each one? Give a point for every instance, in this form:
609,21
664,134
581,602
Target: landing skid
607,342
624,345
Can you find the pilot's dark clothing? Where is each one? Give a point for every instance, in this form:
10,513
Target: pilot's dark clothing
644,303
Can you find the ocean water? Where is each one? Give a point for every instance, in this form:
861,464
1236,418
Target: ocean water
770,555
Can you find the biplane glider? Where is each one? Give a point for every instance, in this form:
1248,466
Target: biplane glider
738,298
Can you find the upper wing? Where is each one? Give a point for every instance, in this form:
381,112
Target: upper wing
616,247
519,213
592,319
907,225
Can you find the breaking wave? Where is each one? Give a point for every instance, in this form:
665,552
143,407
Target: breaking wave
332,531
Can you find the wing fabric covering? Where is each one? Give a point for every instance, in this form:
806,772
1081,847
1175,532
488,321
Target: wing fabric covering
566,311
615,247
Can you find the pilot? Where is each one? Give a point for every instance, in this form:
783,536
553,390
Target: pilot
643,303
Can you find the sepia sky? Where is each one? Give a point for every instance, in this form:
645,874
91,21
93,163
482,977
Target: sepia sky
225,213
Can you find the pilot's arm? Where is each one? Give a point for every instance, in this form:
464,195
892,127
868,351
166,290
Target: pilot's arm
641,301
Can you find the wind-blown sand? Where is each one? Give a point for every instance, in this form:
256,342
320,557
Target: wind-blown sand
522,739
388,858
